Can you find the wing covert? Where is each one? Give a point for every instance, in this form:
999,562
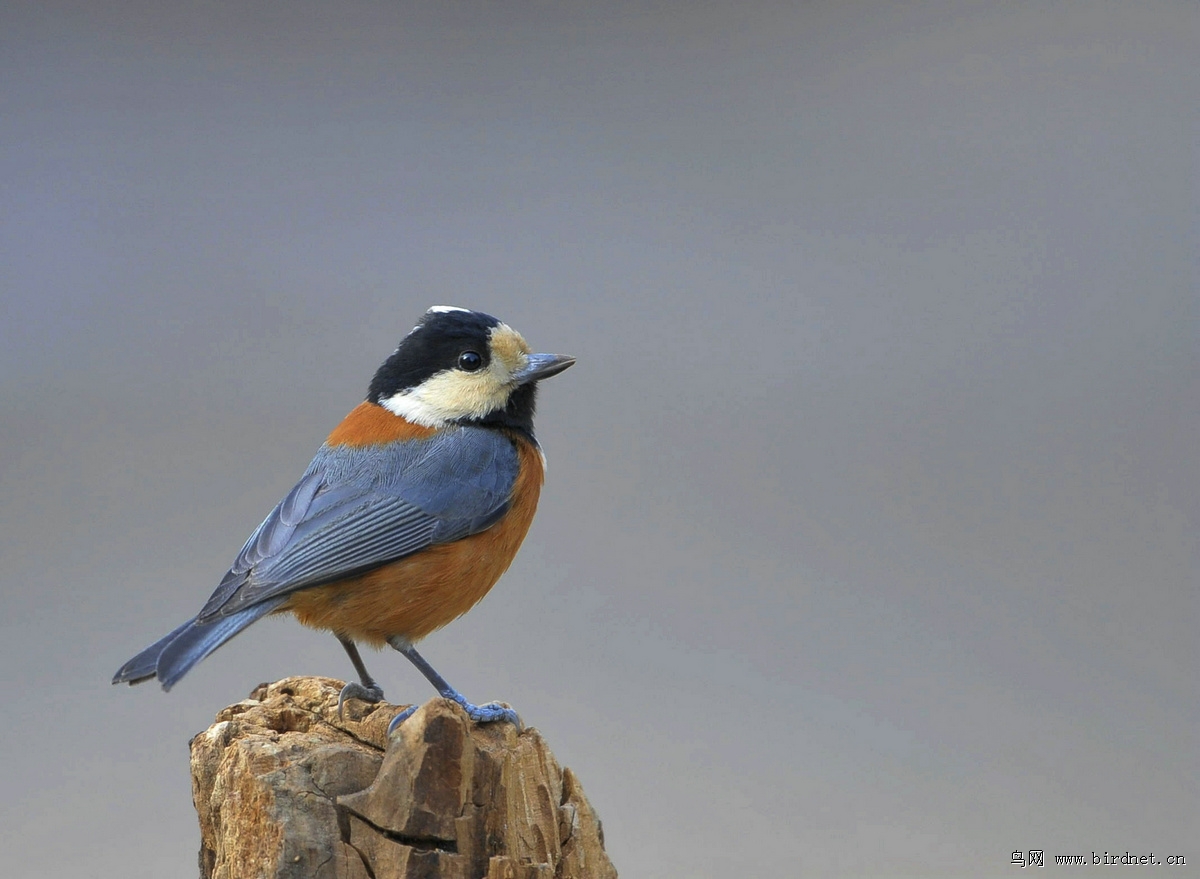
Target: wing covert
360,507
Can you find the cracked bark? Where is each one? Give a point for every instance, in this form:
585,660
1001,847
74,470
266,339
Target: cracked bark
284,788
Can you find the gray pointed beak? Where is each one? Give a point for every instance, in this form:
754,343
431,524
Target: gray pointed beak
540,366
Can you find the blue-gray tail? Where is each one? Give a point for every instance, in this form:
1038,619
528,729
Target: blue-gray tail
170,657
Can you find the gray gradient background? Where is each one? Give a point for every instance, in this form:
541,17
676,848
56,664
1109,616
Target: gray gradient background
868,541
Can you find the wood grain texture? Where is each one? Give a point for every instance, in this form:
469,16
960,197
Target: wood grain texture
285,788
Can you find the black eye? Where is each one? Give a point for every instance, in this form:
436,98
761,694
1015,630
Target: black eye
469,361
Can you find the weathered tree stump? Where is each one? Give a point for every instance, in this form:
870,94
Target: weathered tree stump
284,788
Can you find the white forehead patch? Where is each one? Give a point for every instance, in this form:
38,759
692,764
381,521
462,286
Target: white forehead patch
439,309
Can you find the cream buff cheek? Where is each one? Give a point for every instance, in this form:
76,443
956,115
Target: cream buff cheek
449,396
452,394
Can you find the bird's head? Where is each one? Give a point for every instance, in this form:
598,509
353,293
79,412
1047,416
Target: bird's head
459,366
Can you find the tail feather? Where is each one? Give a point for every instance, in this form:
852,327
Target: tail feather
172,656
143,666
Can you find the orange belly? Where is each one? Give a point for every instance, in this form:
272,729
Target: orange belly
418,594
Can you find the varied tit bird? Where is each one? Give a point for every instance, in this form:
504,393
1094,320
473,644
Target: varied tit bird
407,516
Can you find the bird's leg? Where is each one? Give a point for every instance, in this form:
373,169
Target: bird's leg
486,713
368,690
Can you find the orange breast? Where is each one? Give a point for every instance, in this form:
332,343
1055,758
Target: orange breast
368,424
418,594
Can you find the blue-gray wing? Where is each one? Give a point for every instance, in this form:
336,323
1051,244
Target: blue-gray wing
359,508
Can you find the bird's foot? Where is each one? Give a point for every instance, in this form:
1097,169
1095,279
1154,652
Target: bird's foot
489,712
355,690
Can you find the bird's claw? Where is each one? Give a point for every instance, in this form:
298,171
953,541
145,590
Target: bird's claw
355,690
400,718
